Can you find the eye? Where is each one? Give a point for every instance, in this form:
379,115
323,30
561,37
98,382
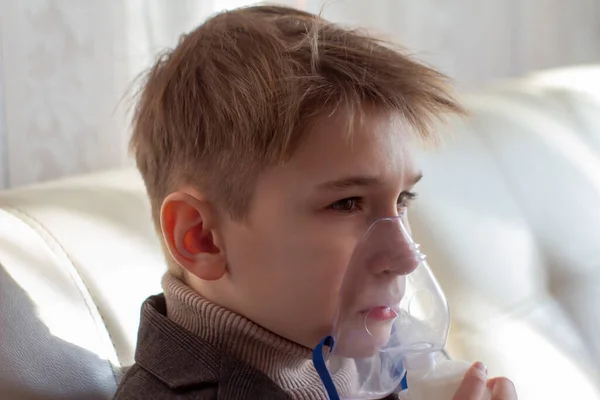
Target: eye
405,198
349,205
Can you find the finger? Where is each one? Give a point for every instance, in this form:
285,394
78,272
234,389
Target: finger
503,389
491,382
473,384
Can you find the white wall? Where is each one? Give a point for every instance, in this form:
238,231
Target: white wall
61,84
65,64
476,41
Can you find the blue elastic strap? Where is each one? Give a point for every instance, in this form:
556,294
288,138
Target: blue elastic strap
403,384
321,367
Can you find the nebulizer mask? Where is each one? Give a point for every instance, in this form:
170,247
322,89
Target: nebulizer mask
392,320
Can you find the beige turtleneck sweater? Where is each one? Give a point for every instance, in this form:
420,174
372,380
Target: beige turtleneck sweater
285,362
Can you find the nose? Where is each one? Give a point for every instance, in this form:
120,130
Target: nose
394,252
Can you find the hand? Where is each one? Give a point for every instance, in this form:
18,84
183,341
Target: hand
473,386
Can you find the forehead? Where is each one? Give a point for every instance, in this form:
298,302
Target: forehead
374,144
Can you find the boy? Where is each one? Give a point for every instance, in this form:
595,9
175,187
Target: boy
268,140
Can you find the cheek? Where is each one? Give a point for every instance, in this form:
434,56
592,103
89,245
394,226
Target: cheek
314,271
306,257
318,267
242,248
309,261
315,258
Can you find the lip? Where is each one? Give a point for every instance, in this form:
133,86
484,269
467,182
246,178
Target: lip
393,306
382,305
392,302
381,313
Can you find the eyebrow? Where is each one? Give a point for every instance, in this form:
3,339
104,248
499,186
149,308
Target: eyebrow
359,181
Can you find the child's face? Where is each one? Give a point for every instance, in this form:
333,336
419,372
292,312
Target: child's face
287,261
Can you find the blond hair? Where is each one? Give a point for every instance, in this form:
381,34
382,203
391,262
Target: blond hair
237,94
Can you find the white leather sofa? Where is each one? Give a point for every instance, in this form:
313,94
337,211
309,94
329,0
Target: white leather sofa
508,212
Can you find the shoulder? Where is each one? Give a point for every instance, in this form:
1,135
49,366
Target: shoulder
139,384
172,363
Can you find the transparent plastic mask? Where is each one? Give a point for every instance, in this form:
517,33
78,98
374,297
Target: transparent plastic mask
390,307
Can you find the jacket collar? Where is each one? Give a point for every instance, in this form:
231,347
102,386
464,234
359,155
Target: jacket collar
181,360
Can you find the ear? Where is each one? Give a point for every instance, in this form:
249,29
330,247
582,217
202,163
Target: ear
188,225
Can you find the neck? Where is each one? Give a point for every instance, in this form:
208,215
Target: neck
285,362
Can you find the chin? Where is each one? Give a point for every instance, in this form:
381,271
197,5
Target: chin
361,343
